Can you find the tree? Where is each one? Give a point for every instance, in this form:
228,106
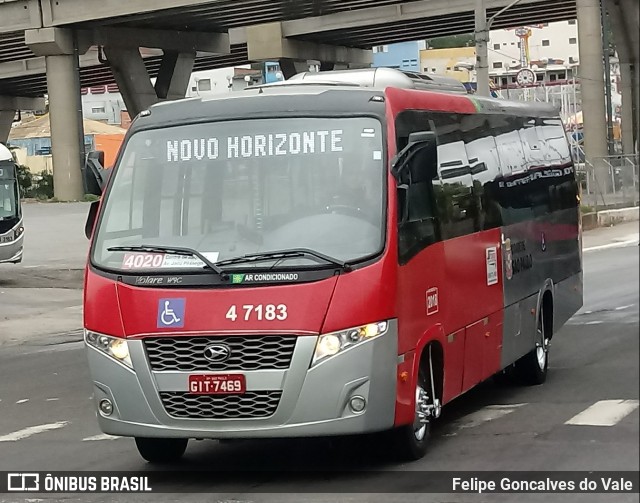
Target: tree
466,40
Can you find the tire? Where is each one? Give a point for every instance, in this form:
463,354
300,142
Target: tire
532,368
161,450
411,441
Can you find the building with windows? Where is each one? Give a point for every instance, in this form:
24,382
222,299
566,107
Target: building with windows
105,103
550,50
403,56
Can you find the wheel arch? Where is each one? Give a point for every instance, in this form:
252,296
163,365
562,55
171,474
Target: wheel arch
431,339
546,304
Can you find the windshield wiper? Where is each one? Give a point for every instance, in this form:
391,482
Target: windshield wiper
172,250
282,254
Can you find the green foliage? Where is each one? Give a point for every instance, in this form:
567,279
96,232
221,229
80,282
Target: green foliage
89,198
450,41
37,186
25,179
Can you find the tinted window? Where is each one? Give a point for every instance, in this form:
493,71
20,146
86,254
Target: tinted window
492,170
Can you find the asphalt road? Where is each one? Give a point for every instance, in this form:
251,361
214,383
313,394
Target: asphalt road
593,359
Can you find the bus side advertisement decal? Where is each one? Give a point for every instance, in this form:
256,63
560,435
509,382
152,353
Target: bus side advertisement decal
492,265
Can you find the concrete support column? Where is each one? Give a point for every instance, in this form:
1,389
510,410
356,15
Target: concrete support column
591,74
636,96
268,42
65,113
626,82
66,127
6,118
625,49
133,79
174,74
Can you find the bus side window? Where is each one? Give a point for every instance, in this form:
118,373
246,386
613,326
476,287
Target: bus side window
453,187
484,162
421,227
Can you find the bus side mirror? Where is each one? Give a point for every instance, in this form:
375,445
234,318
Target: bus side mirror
403,203
91,219
94,175
407,161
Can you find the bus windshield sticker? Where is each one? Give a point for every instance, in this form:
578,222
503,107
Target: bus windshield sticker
258,145
377,155
164,261
492,265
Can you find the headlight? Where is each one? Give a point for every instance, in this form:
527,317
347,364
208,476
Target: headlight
18,232
333,343
115,347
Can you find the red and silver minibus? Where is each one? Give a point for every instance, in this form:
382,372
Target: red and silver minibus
342,253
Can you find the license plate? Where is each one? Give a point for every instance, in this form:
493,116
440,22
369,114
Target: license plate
6,239
220,384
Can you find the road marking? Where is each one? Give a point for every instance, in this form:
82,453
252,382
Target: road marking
618,244
104,436
32,430
620,308
24,400
604,413
52,399
596,322
489,413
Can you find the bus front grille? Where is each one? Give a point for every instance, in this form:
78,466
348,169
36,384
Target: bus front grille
187,354
252,404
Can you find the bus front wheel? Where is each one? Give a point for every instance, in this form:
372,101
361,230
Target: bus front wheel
411,441
161,450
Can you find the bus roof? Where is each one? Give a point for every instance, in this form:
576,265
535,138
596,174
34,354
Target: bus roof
341,93
5,153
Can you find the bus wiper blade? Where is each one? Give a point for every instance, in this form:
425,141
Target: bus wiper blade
291,253
172,250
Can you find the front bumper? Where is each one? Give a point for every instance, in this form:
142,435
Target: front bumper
314,402
12,251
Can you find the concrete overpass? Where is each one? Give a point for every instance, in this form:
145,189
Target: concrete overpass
58,46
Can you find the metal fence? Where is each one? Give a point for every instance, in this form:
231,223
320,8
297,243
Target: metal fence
619,188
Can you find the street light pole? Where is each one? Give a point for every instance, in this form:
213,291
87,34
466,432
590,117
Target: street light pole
482,53
482,28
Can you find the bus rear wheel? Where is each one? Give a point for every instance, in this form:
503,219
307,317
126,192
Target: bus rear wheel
532,368
161,450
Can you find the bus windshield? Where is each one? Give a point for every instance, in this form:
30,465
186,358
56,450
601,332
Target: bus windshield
8,191
233,188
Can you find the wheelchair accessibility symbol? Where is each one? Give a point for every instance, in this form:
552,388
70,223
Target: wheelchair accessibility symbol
171,313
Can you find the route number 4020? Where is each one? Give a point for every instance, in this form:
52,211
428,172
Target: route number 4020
259,312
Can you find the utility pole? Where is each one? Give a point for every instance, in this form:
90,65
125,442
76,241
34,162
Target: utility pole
482,28
606,51
482,53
